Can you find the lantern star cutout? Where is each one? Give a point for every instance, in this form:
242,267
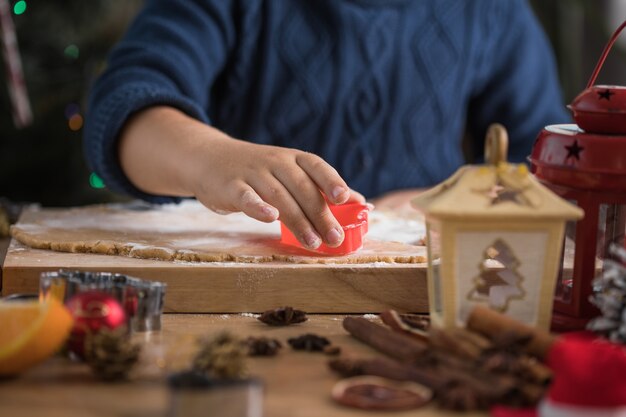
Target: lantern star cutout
606,94
499,193
574,150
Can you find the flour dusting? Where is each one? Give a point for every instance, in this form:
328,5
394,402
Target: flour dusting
190,234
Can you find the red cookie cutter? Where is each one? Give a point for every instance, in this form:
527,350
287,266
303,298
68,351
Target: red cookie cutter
353,218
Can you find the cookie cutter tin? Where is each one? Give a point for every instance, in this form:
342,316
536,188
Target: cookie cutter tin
142,300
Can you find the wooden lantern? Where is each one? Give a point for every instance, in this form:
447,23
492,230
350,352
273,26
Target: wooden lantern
494,237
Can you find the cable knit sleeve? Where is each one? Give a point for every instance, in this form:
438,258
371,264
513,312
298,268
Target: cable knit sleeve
170,55
521,89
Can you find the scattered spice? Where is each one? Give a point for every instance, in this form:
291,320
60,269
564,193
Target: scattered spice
262,346
283,316
309,342
110,354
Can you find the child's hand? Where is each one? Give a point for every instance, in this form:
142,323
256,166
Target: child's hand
229,175
268,182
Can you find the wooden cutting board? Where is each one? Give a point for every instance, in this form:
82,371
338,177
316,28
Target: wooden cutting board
234,286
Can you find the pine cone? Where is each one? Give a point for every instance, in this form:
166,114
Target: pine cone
283,316
262,346
222,357
610,297
110,354
309,342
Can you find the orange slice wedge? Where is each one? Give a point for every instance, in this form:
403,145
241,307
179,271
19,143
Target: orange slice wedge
30,332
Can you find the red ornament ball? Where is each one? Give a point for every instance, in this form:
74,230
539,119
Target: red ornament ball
92,311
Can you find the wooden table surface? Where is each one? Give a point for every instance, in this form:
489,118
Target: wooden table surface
296,384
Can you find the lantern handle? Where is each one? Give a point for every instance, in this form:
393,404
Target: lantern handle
606,51
496,144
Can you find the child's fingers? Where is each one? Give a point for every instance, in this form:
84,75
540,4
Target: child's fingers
325,176
248,201
273,191
356,197
312,203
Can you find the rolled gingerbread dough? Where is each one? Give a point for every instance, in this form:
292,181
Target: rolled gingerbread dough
188,232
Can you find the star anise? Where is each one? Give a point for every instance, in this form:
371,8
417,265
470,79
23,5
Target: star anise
262,346
283,316
309,342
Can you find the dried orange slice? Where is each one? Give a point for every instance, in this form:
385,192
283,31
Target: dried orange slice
30,332
377,393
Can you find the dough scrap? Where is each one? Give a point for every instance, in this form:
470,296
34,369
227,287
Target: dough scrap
188,232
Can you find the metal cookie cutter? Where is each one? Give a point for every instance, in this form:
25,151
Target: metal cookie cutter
196,395
353,218
142,300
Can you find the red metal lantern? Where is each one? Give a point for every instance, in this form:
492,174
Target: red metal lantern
588,168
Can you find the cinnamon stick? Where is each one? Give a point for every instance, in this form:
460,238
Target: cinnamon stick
536,371
490,323
393,344
392,319
475,339
446,341
454,388
389,368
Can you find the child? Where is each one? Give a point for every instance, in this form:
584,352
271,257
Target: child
247,105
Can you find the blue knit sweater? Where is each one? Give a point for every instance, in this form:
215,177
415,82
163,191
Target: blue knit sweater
383,90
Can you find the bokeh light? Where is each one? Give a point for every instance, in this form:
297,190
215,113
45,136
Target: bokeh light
95,181
19,7
70,110
76,122
71,51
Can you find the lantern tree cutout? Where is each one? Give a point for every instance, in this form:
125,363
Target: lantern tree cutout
499,282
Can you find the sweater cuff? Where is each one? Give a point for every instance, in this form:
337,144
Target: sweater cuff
104,126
